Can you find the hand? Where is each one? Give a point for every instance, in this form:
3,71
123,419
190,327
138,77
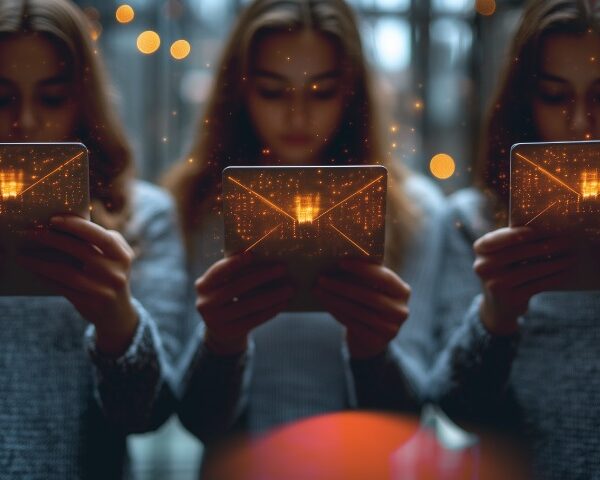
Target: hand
90,266
236,295
514,264
370,300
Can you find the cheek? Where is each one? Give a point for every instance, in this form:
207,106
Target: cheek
267,117
550,122
327,118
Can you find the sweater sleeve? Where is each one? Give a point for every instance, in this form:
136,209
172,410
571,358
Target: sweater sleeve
471,371
396,378
136,391
215,389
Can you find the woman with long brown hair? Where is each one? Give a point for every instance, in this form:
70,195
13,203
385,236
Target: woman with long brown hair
521,350
82,369
293,88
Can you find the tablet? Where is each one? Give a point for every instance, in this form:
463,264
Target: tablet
556,186
308,217
37,181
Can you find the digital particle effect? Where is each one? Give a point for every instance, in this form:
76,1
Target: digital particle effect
307,211
556,185
32,184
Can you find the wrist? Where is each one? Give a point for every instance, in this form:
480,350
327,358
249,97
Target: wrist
114,340
498,323
232,345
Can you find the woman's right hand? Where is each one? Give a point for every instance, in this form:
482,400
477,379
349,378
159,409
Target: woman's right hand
514,264
237,294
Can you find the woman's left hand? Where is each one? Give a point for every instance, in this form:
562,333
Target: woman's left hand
370,300
91,269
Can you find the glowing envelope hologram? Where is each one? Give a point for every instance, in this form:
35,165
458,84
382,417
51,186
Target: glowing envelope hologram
37,181
308,217
556,186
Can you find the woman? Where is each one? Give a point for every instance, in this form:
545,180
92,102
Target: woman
69,399
521,354
293,88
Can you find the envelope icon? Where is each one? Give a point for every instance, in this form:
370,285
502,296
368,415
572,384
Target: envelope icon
308,216
556,186
37,181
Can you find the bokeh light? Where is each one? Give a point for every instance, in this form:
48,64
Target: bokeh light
148,42
124,14
442,166
180,49
485,7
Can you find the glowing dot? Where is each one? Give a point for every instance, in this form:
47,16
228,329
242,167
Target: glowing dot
485,7
96,31
442,166
393,129
394,145
315,86
148,42
190,160
124,14
180,49
418,105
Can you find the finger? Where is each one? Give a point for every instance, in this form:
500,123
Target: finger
224,270
348,313
507,237
246,306
530,252
528,273
249,322
63,275
377,277
111,243
73,246
237,288
553,281
387,307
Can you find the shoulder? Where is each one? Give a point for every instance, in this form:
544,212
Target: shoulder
470,210
423,193
152,208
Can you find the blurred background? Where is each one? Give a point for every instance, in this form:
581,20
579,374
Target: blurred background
437,62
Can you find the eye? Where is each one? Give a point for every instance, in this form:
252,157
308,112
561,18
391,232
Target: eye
53,100
553,98
271,93
6,100
325,94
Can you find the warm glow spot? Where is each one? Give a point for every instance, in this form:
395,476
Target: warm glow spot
418,105
124,14
11,183
393,129
442,166
307,208
485,7
96,31
590,185
180,49
148,42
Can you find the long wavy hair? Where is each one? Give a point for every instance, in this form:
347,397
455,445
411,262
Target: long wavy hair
510,116
98,126
225,135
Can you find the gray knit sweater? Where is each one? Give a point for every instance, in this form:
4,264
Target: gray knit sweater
64,407
298,364
542,385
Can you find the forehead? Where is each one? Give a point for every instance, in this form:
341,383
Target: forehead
295,54
30,58
571,56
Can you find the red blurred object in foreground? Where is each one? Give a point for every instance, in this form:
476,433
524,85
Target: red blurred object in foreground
359,445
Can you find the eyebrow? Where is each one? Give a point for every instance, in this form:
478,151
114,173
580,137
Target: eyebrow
58,80
552,78
333,74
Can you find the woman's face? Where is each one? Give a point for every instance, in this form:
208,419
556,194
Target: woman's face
295,97
566,104
36,92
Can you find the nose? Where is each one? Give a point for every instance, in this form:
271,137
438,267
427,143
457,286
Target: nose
580,120
297,115
25,122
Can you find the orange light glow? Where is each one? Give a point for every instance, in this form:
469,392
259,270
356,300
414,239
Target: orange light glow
11,184
590,186
442,166
180,49
307,207
148,42
125,14
485,7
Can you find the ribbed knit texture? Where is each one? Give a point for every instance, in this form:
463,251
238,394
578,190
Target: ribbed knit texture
299,365
64,416
542,385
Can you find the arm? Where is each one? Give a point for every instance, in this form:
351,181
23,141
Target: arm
135,390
